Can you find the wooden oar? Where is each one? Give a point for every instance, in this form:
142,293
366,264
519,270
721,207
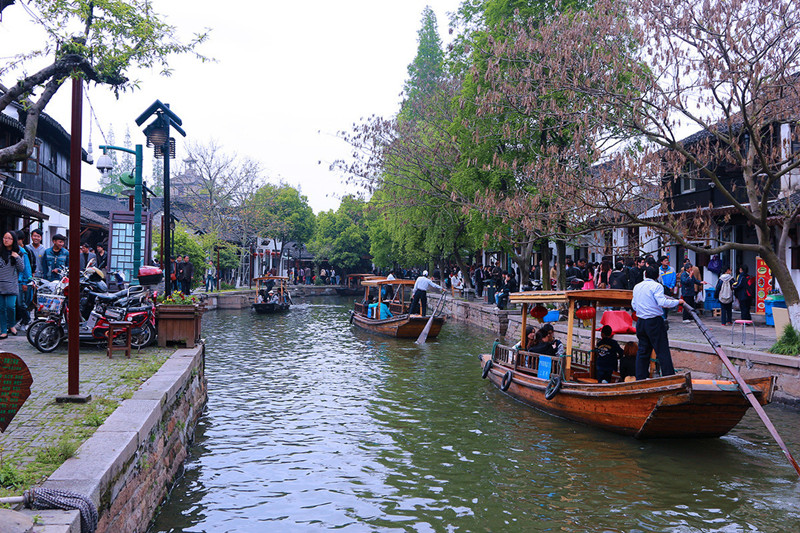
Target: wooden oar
744,387
424,335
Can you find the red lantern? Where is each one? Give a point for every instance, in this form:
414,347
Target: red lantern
538,312
585,313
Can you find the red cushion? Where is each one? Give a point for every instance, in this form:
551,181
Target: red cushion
620,321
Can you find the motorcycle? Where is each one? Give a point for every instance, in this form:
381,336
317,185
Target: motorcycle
132,305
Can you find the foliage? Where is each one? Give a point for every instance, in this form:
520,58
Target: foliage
10,477
57,453
177,298
122,162
282,214
789,343
117,37
630,79
340,236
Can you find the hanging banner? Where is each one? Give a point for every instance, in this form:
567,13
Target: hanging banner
763,284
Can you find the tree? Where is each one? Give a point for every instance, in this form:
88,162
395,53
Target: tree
341,236
728,69
282,214
116,38
110,183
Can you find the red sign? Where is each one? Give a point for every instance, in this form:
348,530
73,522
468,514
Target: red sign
763,284
15,387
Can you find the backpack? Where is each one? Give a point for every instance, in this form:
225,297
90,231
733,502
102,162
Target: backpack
725,292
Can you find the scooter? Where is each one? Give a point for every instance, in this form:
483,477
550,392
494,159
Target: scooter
132,305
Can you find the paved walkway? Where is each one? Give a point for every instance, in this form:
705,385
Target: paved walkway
41,424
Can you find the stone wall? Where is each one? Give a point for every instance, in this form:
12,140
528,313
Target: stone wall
129,463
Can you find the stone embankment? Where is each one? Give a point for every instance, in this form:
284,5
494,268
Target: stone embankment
127,466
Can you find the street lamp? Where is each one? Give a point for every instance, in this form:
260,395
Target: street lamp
157,133
104,165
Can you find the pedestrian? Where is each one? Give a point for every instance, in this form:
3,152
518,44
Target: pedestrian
11,265
102,257
308,275
618,279
689,285
668,278
648,302
508,285
211,274
25,280
56,258
188,274
87,255
636,272
178,270
36,251
420,298
479,278
724,292
554,275
743,289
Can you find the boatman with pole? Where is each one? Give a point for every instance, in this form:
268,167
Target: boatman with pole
649,303
420,297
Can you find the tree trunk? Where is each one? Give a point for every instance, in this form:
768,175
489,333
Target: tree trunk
546,281
561,250
780,270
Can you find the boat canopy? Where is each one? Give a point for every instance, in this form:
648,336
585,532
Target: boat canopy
601,297
266,278
376,282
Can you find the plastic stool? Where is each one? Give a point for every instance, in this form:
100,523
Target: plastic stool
744,324
115,328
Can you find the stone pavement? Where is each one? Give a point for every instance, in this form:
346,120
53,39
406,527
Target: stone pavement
42,423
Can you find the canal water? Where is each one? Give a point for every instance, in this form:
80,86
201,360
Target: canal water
313,425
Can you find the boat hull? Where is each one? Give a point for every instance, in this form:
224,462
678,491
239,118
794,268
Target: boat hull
270,308
666,407
402,326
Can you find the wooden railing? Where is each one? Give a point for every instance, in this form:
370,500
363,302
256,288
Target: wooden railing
525,361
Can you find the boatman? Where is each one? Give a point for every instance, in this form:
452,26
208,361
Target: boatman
420,297
649,302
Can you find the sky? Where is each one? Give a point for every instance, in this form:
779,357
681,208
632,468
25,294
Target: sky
287,77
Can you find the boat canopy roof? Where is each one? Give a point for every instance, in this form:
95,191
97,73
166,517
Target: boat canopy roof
604,297
375,282
362,276
265,278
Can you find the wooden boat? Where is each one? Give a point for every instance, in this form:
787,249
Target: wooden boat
272,294
401,324
669,406
353,284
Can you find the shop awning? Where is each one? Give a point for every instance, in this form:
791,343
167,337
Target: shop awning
18,209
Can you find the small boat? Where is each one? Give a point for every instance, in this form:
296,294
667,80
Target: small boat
353,284
272,294
669,406
401,324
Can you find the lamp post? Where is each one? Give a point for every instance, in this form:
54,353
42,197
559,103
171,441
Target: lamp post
104,164
157,133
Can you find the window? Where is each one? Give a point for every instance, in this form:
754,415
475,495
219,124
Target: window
688,180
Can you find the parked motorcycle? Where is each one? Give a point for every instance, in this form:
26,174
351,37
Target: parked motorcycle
132,304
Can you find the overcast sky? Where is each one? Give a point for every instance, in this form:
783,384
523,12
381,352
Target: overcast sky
288,77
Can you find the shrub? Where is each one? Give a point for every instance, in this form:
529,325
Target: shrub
789,343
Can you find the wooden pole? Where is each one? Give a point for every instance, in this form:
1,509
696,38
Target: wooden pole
570,329
524,341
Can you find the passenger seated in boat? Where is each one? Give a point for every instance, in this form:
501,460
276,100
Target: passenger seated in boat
261,296
379,311
607,354
544,340
273,298
627,365
530,336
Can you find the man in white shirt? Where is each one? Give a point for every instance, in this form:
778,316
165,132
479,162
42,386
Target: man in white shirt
420,297
649,302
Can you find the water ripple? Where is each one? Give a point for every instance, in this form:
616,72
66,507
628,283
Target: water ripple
314,425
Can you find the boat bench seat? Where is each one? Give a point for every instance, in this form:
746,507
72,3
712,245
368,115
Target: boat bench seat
586,380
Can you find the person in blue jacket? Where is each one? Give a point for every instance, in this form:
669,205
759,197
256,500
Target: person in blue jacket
668,278
25,279
56,258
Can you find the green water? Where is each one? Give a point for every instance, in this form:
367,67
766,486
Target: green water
313,425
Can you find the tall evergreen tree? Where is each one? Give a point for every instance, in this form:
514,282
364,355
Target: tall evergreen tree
427,68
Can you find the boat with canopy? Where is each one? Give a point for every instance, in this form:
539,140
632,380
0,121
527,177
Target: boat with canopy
566,386
272,294
395,294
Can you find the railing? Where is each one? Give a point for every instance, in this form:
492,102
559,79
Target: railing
525,361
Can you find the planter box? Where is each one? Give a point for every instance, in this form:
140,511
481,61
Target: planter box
179,323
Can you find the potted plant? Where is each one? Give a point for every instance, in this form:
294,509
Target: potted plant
178,318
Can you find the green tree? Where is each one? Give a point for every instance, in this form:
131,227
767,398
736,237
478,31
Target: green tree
427,68
282,214
341,236
185,243
117,37
122,162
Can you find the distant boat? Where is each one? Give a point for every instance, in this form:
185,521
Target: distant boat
353,284
670,406
401,324
272,295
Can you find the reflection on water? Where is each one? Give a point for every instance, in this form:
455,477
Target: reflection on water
313,425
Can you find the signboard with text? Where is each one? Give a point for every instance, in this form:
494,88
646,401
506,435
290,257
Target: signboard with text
15,387
763,284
